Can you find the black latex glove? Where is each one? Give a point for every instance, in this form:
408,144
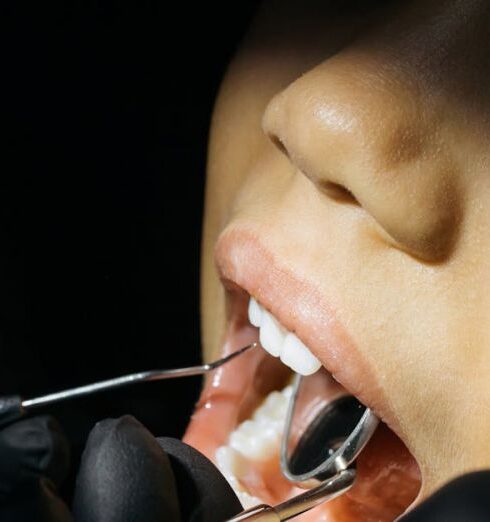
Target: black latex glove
126,475
34,457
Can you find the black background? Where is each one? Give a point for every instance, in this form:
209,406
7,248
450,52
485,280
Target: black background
105,109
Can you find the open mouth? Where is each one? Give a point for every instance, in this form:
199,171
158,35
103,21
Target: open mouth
239,420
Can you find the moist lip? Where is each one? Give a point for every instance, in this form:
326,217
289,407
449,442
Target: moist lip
243,261
388,477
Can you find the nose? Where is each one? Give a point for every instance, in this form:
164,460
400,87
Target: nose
365,127
339,119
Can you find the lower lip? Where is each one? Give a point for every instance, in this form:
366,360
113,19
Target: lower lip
388,477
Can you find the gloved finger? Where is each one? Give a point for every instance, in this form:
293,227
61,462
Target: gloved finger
31,448
34,459
204,493
124,476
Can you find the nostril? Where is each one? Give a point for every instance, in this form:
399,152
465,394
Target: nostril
287,125
279,144
276,122
335,191
339,193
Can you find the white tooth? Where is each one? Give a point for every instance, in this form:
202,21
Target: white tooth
298,357
231,462
253,440
226,460
254,312
287,392
247,500
272,334
273,410
232,466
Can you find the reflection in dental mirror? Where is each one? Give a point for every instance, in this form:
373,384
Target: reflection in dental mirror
325,434
326,428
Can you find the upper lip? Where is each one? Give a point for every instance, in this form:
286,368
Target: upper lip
244,260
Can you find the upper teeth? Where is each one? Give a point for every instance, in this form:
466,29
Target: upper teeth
280,343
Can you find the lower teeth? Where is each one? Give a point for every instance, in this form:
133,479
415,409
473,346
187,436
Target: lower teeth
254,440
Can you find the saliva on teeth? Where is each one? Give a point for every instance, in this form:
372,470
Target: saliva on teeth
276,340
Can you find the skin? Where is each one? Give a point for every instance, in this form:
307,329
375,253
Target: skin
355,143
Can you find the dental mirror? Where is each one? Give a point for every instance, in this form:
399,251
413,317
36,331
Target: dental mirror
326,429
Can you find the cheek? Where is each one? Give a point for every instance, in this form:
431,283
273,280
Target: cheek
419,330
407,318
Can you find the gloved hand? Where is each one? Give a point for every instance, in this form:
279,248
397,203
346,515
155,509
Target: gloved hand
128,475
34,457
125,475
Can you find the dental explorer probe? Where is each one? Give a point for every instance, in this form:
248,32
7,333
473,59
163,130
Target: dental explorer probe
328,490
13,407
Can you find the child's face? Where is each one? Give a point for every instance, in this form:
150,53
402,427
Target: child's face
349,193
